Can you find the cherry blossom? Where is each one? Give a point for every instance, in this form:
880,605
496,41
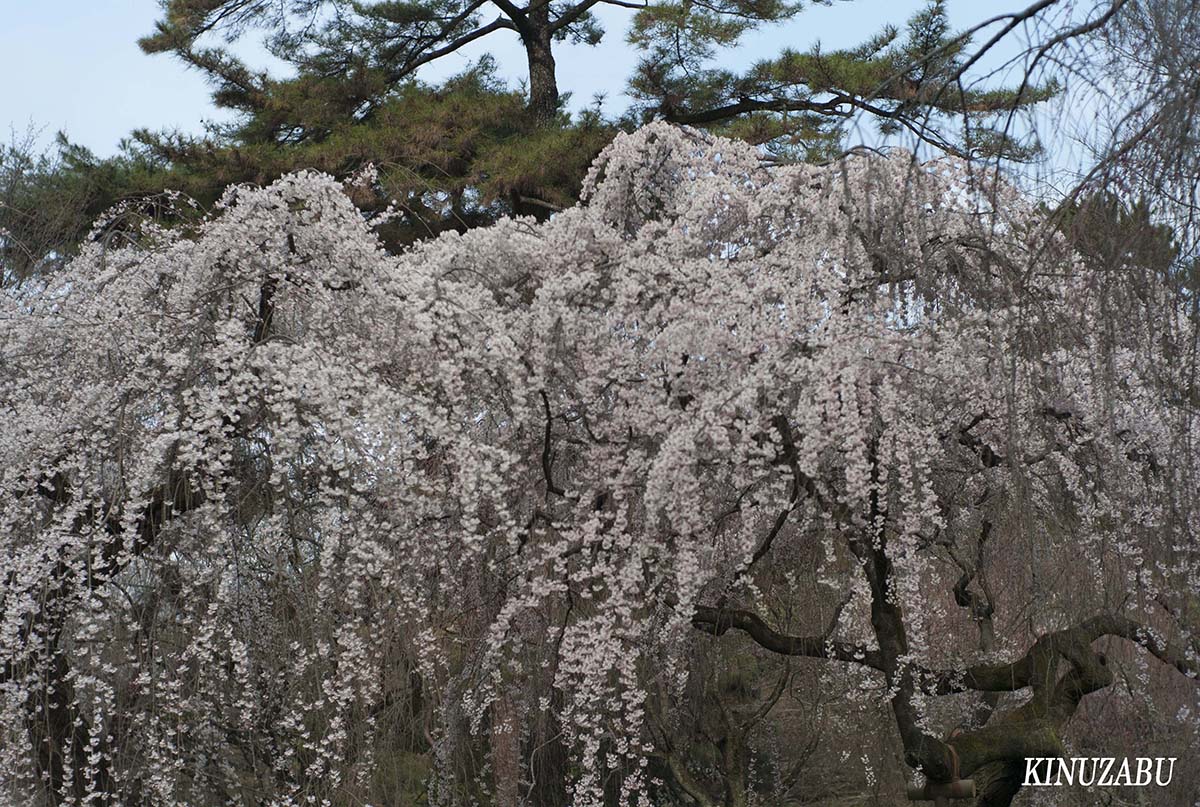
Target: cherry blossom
257,469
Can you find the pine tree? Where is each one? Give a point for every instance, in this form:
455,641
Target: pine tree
468,150
349,58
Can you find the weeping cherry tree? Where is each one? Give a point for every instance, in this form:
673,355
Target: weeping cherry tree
259,475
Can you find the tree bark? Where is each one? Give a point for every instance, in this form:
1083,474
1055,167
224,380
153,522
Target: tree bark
543,82
506,752
997,784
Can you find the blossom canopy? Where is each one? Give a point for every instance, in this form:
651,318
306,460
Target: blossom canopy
255,466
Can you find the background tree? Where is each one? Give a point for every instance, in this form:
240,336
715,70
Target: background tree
468,150
48,201
370,48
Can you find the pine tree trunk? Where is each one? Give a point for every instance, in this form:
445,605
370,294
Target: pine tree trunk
543,83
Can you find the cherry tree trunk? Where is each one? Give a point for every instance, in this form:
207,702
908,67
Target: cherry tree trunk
506,752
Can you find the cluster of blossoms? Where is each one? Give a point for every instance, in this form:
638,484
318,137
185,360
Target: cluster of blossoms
254,467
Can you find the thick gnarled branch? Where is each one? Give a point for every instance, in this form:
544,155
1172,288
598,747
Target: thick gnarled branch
718,621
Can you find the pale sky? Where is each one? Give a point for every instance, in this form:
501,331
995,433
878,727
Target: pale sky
74,65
